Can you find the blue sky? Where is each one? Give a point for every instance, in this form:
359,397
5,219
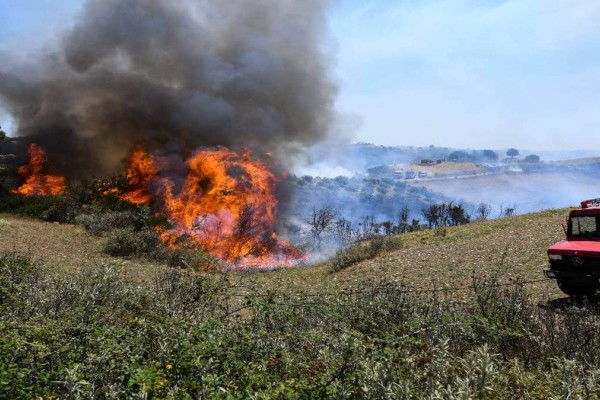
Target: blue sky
469,74
482,74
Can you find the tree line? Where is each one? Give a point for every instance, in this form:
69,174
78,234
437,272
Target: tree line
489,156
325,228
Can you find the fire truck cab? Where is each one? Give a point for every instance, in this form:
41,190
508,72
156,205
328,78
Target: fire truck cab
575,261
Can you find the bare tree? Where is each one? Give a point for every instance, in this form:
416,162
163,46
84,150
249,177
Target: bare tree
415,225
369,226
403,215
388,227
321,223
246,223
244,234
509,212
344,231
483,211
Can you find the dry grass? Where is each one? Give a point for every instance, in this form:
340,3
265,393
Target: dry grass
62,247
526,191
511,248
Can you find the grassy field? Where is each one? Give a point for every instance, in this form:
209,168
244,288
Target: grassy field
442,317
64,248
446,169
508,248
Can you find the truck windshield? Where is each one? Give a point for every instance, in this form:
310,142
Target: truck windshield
585,226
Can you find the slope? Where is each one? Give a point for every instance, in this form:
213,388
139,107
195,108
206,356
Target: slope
447,258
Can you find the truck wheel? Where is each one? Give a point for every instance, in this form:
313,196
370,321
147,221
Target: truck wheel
577,289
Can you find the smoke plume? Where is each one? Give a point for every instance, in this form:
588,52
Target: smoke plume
177,75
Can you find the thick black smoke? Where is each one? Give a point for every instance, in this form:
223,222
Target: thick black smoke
175,74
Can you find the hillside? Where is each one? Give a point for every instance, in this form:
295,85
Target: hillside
75,323
510,248
64,248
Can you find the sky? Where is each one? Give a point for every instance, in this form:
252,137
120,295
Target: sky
464,74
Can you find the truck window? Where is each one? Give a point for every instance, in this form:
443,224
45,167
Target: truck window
584,226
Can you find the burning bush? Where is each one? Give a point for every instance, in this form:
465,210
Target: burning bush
37,180
225,204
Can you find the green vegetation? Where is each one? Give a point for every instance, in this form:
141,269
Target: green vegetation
532,158
127,230
433,314
93,334
512,152
364,250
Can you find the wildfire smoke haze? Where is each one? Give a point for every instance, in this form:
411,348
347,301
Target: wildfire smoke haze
170,74
183,77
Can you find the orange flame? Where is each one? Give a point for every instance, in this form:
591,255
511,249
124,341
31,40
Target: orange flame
141,172
36,182
226,205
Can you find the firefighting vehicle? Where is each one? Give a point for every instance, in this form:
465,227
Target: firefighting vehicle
575,261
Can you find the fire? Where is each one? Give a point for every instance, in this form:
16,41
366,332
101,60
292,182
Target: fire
226,205
141,172
36,181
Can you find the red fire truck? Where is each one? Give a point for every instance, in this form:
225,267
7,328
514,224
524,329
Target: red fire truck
575,261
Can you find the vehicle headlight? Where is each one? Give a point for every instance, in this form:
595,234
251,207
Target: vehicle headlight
555,257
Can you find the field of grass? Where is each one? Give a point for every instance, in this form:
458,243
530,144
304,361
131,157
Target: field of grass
447,169
442,317
64,248
509,248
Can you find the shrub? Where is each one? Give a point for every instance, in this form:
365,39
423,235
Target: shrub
32,206
64,210
127,242
364,250
440,231
93,334
14,270
190,258
103,222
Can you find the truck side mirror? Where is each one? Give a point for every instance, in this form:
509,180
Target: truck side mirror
565,229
